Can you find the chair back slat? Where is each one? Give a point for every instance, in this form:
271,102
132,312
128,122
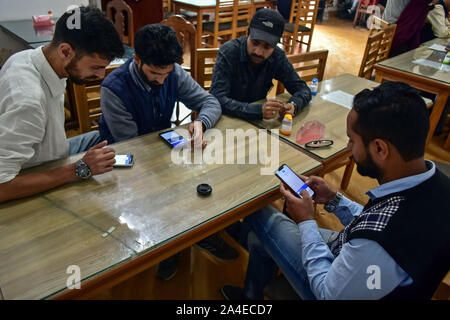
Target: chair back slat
302,18
87,102
370,55
388,30
121,15
206,58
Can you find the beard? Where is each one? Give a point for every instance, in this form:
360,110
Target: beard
153,84
73,72
368,168
256,59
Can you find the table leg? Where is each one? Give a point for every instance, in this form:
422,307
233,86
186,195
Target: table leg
379,76
436,113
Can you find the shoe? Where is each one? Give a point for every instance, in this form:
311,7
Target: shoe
168,268
217,247
232,293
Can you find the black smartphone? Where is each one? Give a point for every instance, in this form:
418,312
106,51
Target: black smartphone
293,181
172,138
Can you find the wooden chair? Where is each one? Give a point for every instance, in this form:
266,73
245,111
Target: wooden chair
310,65
264,4
299,30
370,54
206,58
87,101
231,16
244,10
186,35
388,30
362,10
121,14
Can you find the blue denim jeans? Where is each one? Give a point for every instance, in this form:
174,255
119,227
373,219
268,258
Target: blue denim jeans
274,241
83,142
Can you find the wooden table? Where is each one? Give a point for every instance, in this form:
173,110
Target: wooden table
25,32
153,206
332,115
204,6
429,79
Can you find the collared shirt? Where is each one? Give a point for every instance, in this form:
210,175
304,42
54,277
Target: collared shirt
120,121
236,84
347,276
31,113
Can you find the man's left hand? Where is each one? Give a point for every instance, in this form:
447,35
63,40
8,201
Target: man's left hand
298,209
287,108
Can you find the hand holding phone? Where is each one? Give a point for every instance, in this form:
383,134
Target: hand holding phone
293,181
298,209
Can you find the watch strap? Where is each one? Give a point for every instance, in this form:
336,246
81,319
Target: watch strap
81,163
333,203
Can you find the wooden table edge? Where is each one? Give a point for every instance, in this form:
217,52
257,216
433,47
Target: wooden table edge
126,270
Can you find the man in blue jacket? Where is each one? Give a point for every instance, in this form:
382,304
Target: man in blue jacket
139,98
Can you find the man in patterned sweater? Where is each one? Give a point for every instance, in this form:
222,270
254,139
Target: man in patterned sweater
395,247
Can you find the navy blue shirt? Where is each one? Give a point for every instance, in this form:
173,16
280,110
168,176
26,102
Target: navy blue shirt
235,83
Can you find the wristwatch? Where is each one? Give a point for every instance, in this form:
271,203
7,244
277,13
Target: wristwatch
331,205
82,170
295,106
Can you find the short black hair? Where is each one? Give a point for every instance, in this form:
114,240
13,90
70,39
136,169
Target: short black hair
393,111
96,34
157,44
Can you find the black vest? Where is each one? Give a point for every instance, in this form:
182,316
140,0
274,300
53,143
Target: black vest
413,226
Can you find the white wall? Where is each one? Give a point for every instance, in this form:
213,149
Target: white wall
24,9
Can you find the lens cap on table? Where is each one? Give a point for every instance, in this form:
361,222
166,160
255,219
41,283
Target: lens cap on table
204,189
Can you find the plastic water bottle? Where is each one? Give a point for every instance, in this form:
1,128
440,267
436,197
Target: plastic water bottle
286,124
447,58
314,86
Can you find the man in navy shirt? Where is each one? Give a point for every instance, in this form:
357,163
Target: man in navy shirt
245,68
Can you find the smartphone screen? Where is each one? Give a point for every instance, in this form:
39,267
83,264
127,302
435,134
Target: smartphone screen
293,181
123,160
173,138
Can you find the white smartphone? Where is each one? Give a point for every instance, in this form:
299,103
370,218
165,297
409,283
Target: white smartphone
124,160
293,181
